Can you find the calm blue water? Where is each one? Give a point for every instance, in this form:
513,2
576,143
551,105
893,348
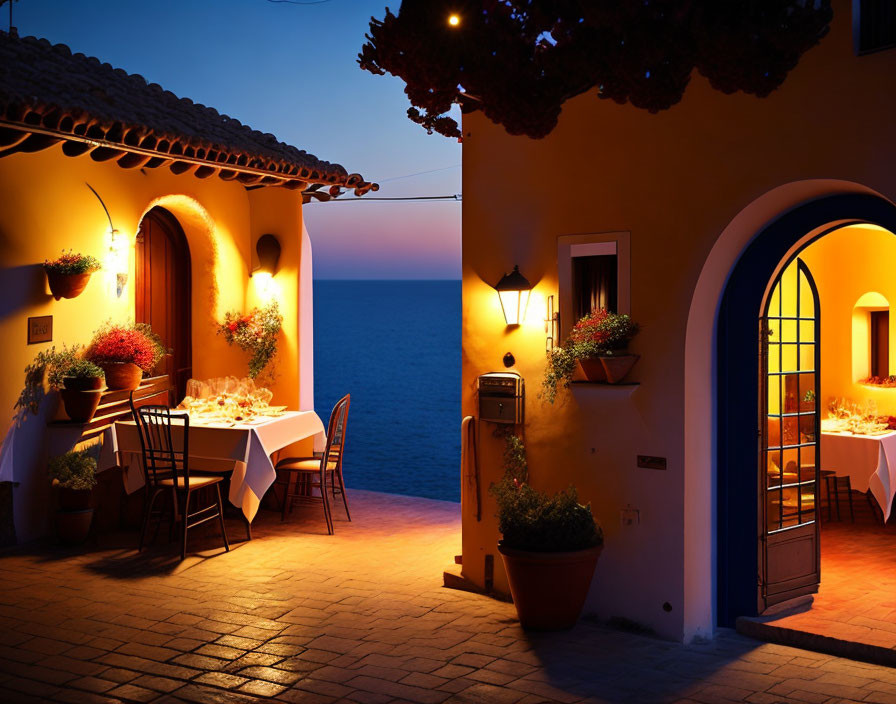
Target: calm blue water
395,347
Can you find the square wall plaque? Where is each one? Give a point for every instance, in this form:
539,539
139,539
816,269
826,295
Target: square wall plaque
40,329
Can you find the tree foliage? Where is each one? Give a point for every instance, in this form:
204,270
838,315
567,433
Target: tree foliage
518,61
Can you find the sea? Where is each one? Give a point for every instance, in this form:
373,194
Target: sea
395,347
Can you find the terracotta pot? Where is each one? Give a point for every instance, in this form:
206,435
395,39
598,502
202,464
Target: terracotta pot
74,499
80,405
618,366
83,383
73,526
66,285
593,369
122,375
549,588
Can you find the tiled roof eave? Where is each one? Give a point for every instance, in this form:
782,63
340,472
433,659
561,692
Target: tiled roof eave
203,161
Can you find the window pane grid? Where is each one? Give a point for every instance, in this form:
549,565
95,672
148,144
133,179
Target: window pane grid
791,409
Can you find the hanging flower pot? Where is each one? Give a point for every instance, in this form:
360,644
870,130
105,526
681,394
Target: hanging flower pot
123,376
66,285
68,275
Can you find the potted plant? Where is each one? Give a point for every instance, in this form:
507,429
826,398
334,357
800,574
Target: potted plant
598,344
82,386
125,353
50,366
550,546
68,275
74,474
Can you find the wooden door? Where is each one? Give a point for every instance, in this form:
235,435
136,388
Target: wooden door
163,294
789,429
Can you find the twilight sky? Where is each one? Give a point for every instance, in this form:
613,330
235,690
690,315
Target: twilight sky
290,69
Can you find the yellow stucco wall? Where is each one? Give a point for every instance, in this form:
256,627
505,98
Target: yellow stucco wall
675,181
47,207
847,264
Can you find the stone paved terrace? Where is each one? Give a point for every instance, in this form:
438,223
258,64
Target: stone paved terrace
299,616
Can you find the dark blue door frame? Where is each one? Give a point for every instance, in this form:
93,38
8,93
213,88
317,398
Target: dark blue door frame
737,350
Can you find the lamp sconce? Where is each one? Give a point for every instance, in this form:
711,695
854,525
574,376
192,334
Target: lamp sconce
268,250
513,291
117,259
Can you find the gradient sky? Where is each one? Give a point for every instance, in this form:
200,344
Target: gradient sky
290,69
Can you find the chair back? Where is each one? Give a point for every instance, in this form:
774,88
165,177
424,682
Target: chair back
163,457
336,431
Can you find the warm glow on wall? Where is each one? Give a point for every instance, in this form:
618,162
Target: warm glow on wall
117,260
513,291
265,287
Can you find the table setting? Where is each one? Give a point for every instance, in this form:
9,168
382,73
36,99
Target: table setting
859,443
232,429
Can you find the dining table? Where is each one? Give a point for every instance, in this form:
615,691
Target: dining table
868,460
242,448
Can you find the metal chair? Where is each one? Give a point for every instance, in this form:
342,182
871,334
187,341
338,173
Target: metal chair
167,469
316,472
834,486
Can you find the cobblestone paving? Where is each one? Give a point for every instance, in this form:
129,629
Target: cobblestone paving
299,616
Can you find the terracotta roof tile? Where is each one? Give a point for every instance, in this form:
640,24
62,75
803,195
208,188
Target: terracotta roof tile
48,88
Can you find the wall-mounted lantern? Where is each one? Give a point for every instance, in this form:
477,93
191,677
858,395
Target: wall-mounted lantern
513,290
268,250
119,250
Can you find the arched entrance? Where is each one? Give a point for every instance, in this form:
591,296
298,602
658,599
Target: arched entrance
163,293
744,583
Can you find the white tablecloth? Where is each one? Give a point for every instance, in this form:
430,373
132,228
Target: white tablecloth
245,447
868,460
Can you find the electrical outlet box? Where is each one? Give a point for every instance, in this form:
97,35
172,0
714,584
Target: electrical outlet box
630,516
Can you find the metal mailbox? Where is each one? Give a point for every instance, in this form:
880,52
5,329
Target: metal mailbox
501,397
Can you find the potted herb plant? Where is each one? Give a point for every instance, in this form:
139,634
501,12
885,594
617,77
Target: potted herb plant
78,381
550,546
82,386
68,275
74,474
598,344
125,353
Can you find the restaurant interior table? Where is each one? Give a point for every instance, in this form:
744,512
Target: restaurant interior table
246,447
868,460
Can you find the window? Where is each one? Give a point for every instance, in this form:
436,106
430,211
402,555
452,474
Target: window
592,272
595,279
871,337
880,343
874,25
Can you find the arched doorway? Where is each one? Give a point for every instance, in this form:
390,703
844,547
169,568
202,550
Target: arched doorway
163,293
745,586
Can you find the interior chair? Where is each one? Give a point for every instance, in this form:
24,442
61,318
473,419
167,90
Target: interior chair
834,487
323,472
166,468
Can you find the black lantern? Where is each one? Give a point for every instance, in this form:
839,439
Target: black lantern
268,249
513,290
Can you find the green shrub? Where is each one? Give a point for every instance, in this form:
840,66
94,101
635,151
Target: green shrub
73,263
82,369
74,470
535,521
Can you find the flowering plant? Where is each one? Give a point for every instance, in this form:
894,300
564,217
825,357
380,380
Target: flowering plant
600,333
255,332
74,470
73,263
136,344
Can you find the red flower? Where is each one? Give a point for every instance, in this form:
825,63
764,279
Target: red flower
232,327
